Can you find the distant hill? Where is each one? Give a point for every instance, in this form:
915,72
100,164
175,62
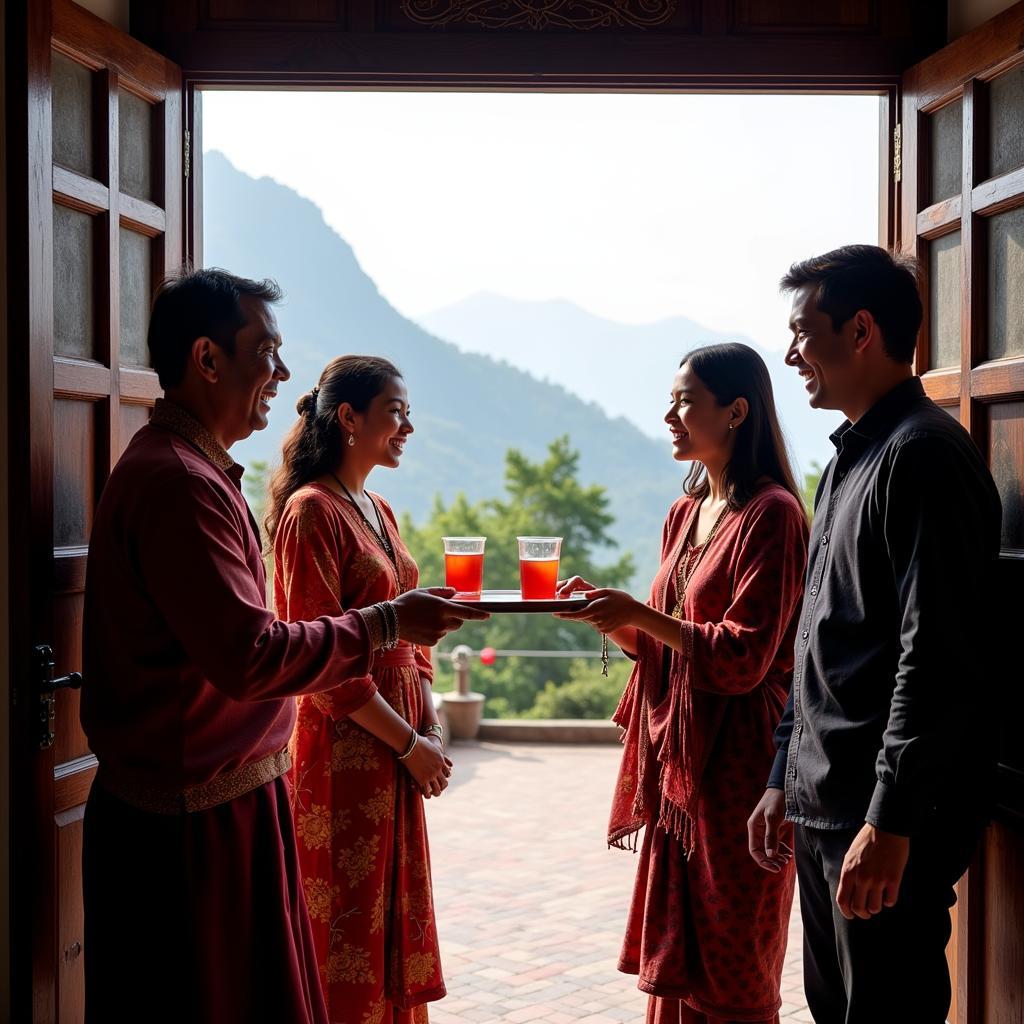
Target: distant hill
468,409
626,368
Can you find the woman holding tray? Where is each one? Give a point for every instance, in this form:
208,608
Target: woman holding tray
360,769
714,655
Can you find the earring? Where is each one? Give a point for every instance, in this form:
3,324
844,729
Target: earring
732,426
351,440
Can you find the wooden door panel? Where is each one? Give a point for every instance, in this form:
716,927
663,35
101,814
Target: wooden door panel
132,418
69,742
963,217
1004,937
71,931
104,192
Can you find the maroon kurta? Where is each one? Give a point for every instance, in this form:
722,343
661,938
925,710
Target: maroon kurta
191,889
707,927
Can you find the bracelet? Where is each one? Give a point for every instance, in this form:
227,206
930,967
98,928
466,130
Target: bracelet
382,645
389,625
434,729
392,613
413,740
374,626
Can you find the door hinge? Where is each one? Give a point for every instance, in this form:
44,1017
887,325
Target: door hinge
187,153
46,686
897,153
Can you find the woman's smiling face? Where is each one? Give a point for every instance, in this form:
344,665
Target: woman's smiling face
381,431
698,424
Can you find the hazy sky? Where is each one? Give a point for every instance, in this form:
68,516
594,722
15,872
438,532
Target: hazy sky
635,207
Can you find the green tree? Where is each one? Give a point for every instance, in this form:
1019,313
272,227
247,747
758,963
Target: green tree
585,693
542,498
810,487
257,476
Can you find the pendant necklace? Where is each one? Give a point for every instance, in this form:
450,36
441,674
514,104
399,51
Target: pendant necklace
379,533
688,564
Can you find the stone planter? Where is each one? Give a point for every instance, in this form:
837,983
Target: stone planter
464,713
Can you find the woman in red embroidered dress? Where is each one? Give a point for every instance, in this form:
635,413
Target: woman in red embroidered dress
359,816
714,654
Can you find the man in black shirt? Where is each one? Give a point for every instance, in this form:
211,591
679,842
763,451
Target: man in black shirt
883,750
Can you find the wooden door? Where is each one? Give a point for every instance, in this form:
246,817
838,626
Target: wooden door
103,192
963,217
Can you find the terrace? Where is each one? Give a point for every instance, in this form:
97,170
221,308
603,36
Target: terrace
530,901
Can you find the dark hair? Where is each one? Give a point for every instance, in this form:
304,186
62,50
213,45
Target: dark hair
730,371
314,444
195,304
867,277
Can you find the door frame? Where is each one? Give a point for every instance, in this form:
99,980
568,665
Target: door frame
32,30
25,542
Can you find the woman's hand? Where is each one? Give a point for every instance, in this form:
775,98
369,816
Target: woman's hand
573,585
429,767
607,610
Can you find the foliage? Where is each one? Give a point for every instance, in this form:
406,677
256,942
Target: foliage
586,693
257,476
810,487
542,498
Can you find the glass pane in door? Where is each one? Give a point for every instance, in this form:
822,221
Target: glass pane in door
946,152
1006,284
944,301
72,116
1006,122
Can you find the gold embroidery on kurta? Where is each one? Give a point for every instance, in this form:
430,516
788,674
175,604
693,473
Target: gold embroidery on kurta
350,963
357,861
375,1014
419,967
377,916
354,749
379,806
319,893
317,826
366,567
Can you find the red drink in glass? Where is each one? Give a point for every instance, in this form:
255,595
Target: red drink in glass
538,578
464,572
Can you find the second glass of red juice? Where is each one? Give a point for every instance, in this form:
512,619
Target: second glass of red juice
538,567
464,564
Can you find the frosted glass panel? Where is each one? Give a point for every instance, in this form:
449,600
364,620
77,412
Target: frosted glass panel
1006,125
135,145
944,307
1006,460
74,471
136,287
133,418
1006,284
72,116
74,257
947,151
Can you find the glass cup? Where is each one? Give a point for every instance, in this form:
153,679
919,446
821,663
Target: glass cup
464,565
538,567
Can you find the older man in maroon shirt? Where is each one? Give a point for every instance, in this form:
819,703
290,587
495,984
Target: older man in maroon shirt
194,908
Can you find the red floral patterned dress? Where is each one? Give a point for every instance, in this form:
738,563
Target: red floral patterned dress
359,818
707,927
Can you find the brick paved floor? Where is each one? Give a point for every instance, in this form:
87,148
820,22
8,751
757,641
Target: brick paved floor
530,902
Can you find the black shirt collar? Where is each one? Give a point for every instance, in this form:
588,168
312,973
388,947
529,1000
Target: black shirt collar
883,415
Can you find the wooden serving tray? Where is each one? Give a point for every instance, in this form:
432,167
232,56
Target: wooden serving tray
511,601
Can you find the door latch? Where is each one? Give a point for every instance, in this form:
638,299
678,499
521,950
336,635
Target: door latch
47,685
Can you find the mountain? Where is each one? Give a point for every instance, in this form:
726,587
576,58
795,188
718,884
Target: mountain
627,369
468,409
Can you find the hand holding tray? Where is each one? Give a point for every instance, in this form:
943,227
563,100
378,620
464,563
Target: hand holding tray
511,601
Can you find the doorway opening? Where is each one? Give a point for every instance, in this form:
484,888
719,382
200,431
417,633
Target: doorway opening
536,264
